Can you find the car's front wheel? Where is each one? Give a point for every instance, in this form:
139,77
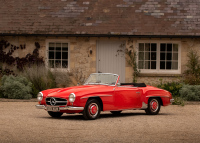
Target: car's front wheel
153,106
55,114
92,109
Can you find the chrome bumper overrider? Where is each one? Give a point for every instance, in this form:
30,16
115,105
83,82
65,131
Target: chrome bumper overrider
60,108
171,100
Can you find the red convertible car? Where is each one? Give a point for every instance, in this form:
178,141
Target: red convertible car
102,92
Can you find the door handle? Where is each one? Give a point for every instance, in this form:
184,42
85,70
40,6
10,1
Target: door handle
137,92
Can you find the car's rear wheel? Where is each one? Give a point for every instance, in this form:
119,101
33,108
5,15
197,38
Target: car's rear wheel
55,114
153,106
116,112
92,110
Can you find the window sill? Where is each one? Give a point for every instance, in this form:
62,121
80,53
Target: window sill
59,69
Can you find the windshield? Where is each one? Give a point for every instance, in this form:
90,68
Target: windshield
102,78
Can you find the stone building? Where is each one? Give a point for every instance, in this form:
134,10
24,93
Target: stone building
93,35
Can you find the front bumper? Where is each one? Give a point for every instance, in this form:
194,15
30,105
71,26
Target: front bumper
71,108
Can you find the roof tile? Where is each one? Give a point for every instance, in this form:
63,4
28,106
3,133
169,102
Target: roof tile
124,17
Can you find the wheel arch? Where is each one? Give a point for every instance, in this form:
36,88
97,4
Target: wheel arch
158,97
98,99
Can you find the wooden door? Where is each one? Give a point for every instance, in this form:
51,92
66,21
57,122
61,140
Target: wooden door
111,58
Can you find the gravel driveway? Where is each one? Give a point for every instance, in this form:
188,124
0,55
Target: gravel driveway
22,122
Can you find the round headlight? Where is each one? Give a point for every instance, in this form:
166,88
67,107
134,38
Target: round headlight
40,96
72,97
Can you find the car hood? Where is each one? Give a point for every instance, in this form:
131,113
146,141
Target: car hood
81,90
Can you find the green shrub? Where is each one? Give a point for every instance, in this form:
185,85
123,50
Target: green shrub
190,92
15,87
43,78
178,101
191,76
172,87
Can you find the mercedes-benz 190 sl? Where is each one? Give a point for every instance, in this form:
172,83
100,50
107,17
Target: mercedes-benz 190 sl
102,92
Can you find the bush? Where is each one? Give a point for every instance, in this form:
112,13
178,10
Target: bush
192,74
78,77
40,77
172,87
15,87
62,78
43,78
178,101
190,92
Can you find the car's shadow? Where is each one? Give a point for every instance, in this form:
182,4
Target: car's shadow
102,116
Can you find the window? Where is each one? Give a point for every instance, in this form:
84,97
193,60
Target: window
147,55
159,57
169,56
58,55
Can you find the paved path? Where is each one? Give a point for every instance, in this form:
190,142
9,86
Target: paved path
21,122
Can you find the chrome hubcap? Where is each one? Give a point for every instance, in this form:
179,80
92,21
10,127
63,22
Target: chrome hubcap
93,109
154,105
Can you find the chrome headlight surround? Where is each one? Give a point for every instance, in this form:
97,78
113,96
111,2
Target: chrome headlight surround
72,97
40,96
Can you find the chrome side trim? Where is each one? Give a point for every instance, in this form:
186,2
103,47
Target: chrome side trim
86,97
40,106
96,96
158,96
144,105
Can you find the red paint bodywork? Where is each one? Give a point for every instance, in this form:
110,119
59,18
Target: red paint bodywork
113,97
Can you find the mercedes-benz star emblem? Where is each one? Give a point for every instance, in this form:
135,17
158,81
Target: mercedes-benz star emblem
53,101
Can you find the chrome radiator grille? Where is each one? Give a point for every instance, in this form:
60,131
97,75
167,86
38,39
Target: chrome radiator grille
54,101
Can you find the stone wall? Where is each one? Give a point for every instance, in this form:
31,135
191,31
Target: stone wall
186,45
83,54
29,43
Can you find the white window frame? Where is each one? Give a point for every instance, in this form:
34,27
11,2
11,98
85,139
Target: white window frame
47,53
158,70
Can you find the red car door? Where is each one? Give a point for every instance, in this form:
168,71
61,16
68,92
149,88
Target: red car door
127,97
